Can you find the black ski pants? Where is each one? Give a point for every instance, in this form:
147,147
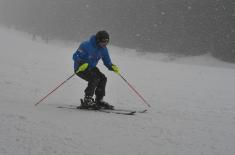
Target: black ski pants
96,82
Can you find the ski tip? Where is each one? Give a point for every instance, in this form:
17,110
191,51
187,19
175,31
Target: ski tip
129,113
132,113
145,110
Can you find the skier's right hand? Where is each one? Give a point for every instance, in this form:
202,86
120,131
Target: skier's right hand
115,69
82,68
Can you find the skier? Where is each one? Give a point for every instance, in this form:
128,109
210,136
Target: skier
85,60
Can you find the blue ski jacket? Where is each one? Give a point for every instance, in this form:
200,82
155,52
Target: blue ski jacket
89,52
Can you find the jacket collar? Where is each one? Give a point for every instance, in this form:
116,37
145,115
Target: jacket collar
93,41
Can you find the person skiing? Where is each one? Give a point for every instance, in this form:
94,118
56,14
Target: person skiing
86,57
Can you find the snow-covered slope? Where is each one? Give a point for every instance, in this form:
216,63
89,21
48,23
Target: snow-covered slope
192,99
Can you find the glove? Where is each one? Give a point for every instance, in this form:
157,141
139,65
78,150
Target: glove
82,68
115,69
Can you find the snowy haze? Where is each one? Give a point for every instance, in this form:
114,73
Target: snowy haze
186,27
192,99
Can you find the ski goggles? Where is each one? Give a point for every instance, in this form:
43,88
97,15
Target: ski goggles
104,42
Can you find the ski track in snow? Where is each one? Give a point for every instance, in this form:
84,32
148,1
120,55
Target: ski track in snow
192,99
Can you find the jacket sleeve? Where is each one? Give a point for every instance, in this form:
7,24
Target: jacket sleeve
79,54
106,59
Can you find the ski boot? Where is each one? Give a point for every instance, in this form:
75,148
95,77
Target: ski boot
88,103
103,105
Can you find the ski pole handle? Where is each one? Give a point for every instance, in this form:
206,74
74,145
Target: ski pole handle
135,90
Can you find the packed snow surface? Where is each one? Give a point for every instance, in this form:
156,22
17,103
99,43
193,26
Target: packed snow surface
192,99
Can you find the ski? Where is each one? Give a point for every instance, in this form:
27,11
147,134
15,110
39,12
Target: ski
137,111
115,111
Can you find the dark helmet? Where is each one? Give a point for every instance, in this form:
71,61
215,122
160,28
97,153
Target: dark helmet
102,36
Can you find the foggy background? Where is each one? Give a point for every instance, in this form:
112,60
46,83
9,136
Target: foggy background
185,27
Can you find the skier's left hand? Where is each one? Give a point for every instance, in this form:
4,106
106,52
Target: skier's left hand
115,69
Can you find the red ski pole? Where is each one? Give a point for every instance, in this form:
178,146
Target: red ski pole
54,89
135,90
